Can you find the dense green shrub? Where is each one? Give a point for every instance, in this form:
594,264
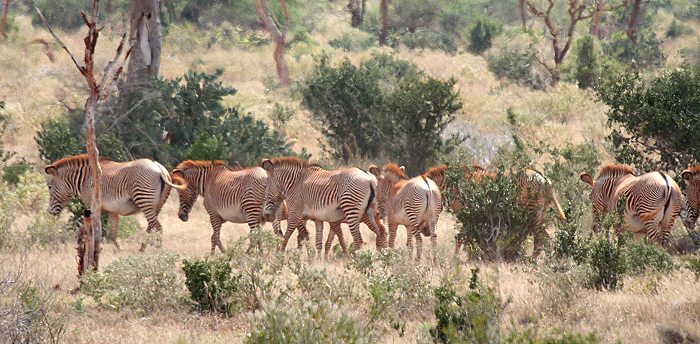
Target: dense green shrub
429,39
482,34
211,283
677,29
513,58
643,257
645,52
608,262
355,41
653,120
384,107
467,318
145,282
588,67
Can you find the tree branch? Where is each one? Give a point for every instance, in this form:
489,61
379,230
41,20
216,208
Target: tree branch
46,23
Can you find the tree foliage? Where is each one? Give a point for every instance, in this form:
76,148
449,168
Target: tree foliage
654,121
386,107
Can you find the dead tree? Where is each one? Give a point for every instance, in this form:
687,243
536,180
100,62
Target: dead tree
144,63
384,10
99,91
278,32
560,36
3,21
357,10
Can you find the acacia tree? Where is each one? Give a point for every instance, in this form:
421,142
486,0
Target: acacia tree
384,9
3,21
278,32
357,10
99,91
144,63
562,36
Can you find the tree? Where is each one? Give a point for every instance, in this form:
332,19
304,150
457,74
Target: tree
144,63
357,10
523,13
99,91
635,9
384,10
3,21
587,64
278,32
596,18
654,121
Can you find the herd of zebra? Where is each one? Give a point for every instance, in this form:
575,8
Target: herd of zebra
297,191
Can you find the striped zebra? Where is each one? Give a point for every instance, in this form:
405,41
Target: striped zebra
414,203
534,191
128,188
691,177
314,193
230,195
653,200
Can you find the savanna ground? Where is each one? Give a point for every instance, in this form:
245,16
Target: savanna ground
541,300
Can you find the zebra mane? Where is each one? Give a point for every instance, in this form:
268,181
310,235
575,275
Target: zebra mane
187,164
693,169
80,159
610,170
436,171
292,161
396,170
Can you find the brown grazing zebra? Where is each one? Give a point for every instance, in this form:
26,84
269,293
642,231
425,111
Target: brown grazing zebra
415,203
128,188
653,200
534,191
314,193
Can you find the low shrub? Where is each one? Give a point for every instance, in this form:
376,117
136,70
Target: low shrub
482,35
467,318
212,284
608,263
145,282
677,29
355,41
643,257
693,264
513,58
560,282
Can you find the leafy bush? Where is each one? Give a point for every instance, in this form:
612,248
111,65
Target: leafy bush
559,283
482,34
694,266
355,41
13,171
608,263
677,29
645,52
587,62
513,58
381,108
212,284
656,118
643,257
429,39
145,282
467,318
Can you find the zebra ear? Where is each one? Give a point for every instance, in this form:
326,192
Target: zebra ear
586,178
687,175
403,169
51,170
375,171
179,172
267,165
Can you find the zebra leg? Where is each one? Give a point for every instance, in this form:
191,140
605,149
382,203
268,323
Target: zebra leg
371,220
341,240
409,241
458,246
114,227
433,241
540,239
302,236
392,233
419,244
292,224
153,224
216,222
319,237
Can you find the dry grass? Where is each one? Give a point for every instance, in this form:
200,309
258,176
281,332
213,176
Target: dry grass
32,86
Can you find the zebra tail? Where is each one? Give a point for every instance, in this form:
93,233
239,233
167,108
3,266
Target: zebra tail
371,197
166,178
560,211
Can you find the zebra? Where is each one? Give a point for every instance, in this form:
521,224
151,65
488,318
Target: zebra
128,188
692,196
415,203
231,194
314,193
534,191
653,200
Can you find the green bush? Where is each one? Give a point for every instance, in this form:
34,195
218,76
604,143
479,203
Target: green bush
14,170
645,52
677,29
588,67
429,39
482,34
608,263
694,266
513,58
653,120
643,257
146,282
355,41
212,284
467,318
65,15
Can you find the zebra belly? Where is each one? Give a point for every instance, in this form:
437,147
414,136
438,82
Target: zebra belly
233,214
120,206
327,214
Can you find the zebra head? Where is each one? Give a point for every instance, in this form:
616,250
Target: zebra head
187,196
692,197
60,190
597,202
273,191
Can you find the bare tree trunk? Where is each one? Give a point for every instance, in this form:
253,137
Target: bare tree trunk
384,9
634,20
523,13
278,35
595,20
357,10
3,21
144,64
98,91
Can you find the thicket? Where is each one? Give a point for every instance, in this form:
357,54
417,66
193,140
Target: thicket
383,108
654,119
